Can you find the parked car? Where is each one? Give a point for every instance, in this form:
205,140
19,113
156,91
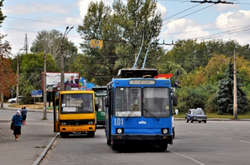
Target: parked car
196,115
14,100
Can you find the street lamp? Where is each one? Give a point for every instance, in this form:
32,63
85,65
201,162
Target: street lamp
67,30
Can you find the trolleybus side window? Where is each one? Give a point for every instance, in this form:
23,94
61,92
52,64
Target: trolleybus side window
128,102
156,102
77,103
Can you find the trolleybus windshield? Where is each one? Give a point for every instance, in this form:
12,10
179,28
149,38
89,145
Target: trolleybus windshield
77,103
129,102
156,102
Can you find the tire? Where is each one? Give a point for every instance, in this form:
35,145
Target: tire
205,121
64,134
115,145
108,141
187,120
199,121
162,147
192,121
173,133
91,134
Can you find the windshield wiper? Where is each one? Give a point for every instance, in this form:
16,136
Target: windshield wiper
156,117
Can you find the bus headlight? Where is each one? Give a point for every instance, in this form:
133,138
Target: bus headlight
63,123
164,131
90,123
119,130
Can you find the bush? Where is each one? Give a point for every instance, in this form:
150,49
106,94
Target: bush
191,97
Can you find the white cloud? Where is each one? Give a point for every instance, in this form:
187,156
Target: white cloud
235,26
182,29
163,10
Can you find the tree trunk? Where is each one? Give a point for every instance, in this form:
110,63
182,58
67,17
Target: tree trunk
1,100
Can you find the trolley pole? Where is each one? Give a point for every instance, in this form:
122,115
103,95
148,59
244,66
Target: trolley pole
235,89
67,30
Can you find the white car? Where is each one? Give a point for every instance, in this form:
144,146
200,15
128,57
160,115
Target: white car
12,100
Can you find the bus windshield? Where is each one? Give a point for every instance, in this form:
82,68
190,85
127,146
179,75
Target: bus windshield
156,102
128,102
77,103
99,102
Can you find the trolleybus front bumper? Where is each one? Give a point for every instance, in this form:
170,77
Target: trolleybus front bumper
121,138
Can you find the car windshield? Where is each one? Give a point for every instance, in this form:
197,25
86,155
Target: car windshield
77,103
197,112
128,102
156,102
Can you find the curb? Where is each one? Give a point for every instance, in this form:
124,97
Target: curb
215,119
45,151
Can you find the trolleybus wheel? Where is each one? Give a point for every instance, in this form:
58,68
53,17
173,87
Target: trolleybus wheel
114,145
108,141
162,147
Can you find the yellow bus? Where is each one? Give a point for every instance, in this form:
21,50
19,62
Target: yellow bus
75,113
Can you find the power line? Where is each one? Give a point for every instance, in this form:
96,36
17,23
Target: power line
196,11
182,11
213,2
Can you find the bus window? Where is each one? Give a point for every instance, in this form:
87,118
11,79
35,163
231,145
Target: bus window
156,102
77,103
128,102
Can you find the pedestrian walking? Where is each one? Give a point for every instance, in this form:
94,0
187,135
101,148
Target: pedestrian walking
17,124
24,115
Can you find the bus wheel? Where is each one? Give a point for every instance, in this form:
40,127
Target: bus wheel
64,134
91,134
163,147
108,141
114,145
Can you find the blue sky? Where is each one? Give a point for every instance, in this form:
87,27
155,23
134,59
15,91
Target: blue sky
200,21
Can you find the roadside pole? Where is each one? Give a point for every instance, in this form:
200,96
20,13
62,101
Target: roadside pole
235,89
44,87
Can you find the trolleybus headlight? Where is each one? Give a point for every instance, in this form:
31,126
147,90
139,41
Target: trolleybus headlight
119,130
164,130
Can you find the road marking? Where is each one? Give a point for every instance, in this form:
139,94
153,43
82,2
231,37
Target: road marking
243,141
190,158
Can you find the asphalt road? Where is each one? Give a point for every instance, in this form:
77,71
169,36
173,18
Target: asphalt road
217,142
35,136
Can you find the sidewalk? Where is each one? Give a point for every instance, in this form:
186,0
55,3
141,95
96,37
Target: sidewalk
35,137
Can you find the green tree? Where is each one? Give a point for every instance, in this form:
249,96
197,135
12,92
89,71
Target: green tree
31,69
51,42
225,94
7,76
122,31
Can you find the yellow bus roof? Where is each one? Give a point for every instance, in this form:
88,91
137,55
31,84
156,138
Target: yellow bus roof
77,92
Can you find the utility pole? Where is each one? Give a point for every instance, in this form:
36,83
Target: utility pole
44,87
17,86
67,30
26,46
235,89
